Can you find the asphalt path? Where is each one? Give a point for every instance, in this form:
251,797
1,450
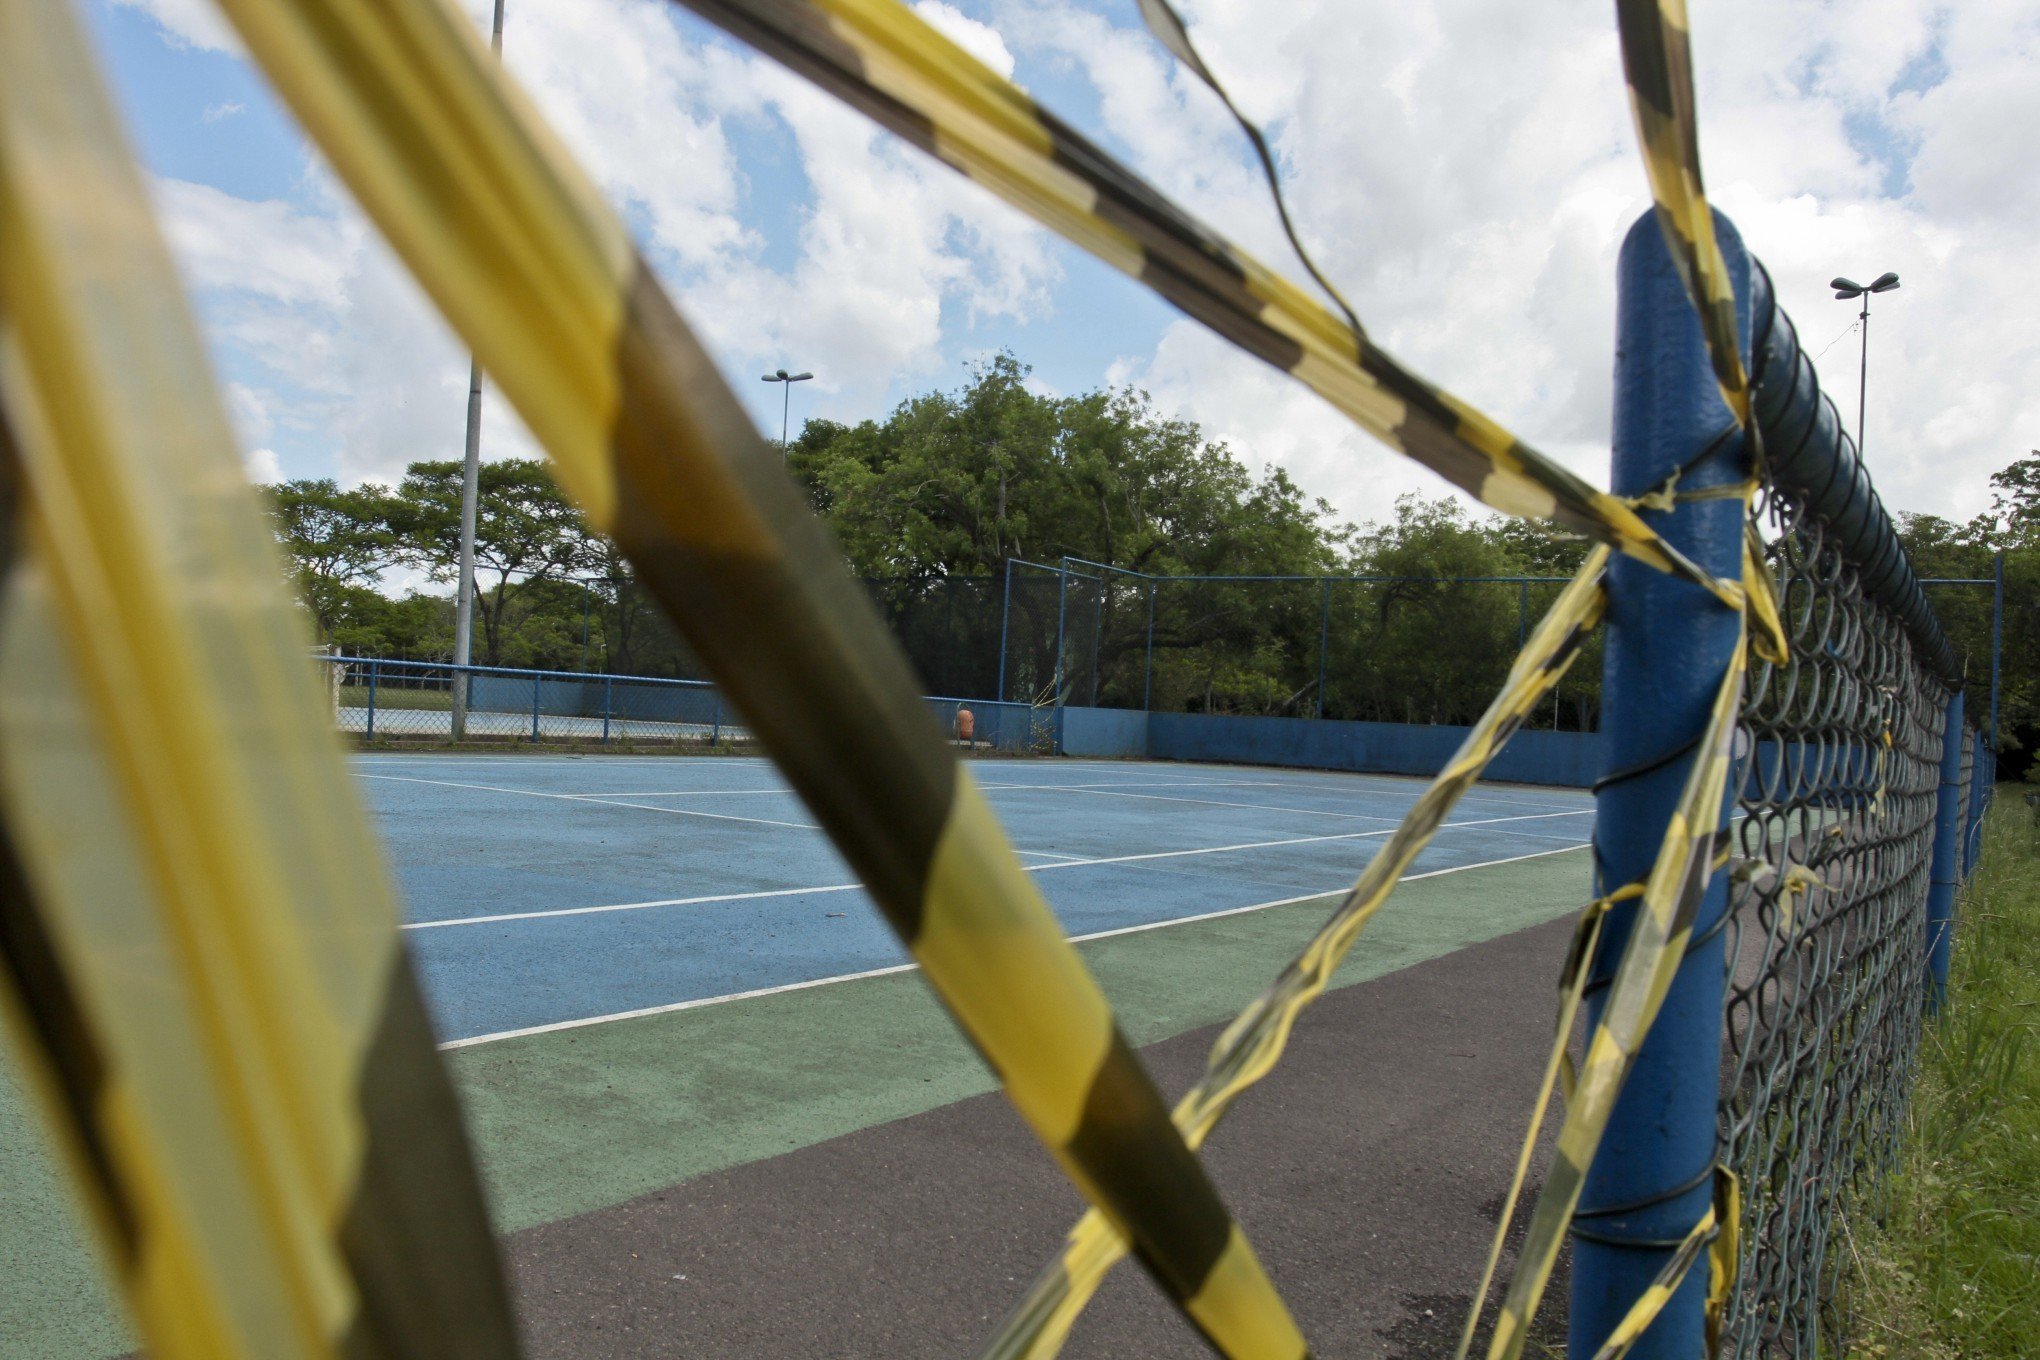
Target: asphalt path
1367,1170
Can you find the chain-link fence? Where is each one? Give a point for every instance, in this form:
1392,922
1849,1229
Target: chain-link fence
1827,933
379,701
1857,793
1428,649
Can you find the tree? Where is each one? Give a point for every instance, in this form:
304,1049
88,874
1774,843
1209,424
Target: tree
339,542
526,532
1940,548
954,483
2014,518
951,485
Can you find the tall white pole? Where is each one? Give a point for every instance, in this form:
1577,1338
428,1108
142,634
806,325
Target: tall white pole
470,487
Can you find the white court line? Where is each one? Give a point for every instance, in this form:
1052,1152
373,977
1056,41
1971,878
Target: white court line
788,790
697,1004
1210,802
1066,862
1299,779
585,798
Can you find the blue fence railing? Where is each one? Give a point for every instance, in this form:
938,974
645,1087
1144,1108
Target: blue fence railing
381,700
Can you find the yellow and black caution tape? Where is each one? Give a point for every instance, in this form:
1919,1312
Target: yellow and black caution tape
1170,30
1658,61
199,954
1717,1233
1254,1042
1694,848
880,58
539,276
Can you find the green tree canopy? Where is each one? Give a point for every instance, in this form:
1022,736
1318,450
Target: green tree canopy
526,532
339,542
954,483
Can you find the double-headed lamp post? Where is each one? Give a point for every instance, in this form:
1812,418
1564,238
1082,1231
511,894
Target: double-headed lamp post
786,401
1844,290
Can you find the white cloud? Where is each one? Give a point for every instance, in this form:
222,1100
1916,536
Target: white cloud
892,254
887,241
1467,170
262,465
215,113
980,40
272,250
190,23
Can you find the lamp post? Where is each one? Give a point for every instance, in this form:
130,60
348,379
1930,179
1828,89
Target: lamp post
470,491
786,401
1844,290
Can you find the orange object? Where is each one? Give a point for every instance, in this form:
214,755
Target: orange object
966,724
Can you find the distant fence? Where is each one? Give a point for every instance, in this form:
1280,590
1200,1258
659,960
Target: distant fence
383,700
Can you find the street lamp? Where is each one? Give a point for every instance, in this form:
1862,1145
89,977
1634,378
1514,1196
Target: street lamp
1844,290
782,376
470,495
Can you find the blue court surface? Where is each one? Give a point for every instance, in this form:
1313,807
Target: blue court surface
546,892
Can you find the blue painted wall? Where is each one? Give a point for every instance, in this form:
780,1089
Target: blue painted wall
1104,732
1571,759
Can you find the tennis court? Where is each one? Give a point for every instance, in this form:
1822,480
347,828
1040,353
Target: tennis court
672,1004
551,892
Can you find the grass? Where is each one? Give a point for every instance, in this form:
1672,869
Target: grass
1952,1272
397,696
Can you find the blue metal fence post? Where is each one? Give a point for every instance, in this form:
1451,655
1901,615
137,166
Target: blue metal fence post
534,710
1062,598
608,703
1965,804
1147,679
1667,643
1324,640
1947,870
1982,780
1005,626
1522,615
372,676
715,718
1997,638
1098,637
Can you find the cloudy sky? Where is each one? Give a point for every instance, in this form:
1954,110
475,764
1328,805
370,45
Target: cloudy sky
1465,171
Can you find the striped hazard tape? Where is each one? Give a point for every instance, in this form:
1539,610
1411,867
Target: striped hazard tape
199,957
1657,58
540,277
1694,847
1251,1046
877,56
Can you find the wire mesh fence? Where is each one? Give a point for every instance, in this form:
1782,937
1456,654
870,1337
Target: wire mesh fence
1426,650
379,700
1840,752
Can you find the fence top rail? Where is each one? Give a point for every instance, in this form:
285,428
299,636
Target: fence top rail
584,676
1046,566
977,703
381,663
1811,455
1334,579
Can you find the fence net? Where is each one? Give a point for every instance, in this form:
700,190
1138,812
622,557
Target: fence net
1840,751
